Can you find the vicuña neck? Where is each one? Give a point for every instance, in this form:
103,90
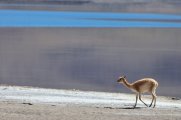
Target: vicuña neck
126,83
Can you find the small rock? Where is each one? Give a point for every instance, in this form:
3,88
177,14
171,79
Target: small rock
28,103
175,98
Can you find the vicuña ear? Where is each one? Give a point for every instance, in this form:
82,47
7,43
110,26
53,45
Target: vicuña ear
124,76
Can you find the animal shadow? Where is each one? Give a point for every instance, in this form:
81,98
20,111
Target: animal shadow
123,108
131,108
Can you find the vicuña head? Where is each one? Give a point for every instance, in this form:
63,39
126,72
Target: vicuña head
121,79
141,86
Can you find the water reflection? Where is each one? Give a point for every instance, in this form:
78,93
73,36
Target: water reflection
90,58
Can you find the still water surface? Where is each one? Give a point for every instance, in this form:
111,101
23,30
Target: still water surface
89,56
19,18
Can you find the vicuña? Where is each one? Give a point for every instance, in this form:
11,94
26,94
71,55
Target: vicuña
141,86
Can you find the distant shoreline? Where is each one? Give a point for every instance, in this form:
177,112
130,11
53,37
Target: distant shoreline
151,6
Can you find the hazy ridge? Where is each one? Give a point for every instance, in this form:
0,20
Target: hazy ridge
159,6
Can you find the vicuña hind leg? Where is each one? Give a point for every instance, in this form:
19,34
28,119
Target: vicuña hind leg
153,98
141,99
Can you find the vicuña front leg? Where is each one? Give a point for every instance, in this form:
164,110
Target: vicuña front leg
136,101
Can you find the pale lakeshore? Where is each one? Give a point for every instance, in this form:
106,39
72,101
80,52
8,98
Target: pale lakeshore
52,104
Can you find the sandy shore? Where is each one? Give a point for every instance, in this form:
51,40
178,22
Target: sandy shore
28,103
17,111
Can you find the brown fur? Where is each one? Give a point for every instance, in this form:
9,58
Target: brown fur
145,85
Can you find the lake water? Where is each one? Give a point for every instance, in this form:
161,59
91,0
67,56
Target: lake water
88,50
25,18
